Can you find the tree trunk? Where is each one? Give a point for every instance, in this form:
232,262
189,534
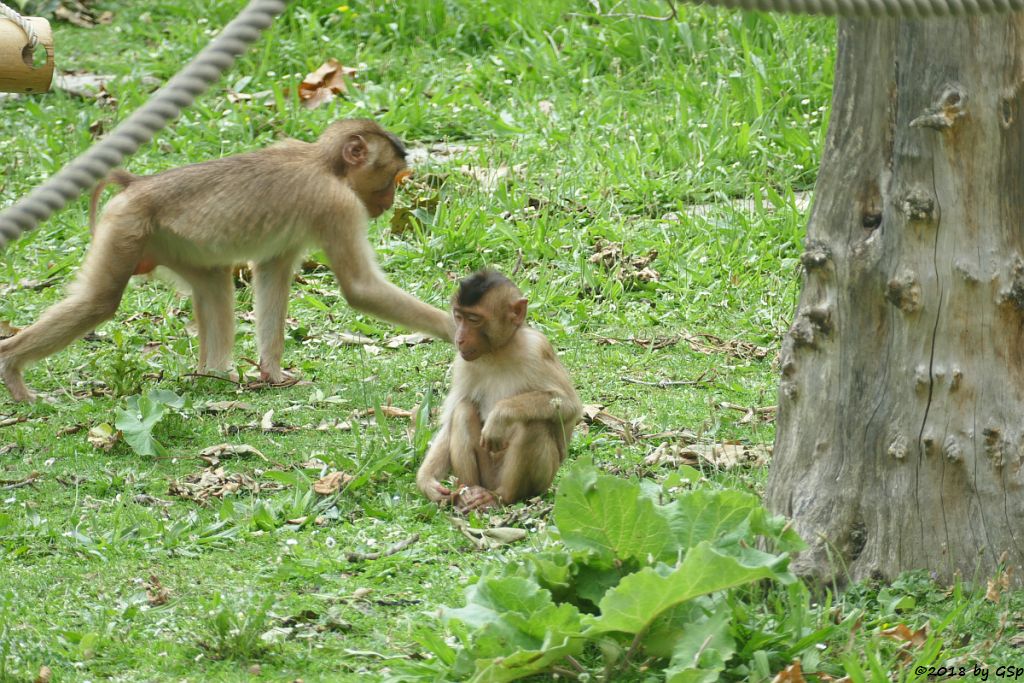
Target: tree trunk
901,405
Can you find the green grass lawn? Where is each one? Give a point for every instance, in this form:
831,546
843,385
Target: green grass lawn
545,133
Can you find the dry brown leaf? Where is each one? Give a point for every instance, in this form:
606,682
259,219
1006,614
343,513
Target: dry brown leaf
86,85
322,85
791,674
902,633
491,178
214,454
332,483
103,436
722,455
224,406
627,430
485,539
150,501
45,675
408,340
7,329
213,482
156,593
386,411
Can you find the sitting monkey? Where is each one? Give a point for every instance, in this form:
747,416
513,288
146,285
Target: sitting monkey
506,424
267,207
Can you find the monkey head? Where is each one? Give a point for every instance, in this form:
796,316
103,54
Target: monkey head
371,159
488,309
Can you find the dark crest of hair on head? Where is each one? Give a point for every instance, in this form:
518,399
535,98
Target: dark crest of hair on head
473,288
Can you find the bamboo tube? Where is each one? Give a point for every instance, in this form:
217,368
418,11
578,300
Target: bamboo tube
17,73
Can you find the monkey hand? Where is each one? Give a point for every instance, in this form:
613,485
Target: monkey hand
437,492
476,498
493,436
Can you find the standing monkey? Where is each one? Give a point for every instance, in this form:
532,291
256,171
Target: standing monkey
507,422
267,207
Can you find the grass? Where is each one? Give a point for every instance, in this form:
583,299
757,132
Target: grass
647,134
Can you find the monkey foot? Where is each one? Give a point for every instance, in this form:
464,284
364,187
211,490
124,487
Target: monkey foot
15,384
475,498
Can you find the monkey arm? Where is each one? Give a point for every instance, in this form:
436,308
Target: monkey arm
532,406
436,464
367,289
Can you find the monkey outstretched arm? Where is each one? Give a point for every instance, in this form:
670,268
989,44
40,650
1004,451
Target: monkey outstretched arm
367,289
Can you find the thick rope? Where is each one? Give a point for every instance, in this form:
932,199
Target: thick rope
21,21
207,67
166,104
911,9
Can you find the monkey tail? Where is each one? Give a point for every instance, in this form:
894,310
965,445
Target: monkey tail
118,177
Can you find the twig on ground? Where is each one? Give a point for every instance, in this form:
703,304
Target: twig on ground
396,548
8,484
704,378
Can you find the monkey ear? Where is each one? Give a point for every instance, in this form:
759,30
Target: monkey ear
517,312
355,151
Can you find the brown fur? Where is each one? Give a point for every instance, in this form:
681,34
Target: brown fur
267,207
508,419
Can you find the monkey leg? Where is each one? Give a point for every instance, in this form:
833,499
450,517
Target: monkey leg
471,464
213,302
92,299
436,464
530,461
271,285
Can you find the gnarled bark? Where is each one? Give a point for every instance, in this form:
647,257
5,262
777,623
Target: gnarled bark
901,404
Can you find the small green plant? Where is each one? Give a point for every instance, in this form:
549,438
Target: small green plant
628,577
141,414
235,629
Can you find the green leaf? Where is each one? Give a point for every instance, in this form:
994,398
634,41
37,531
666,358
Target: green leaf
607,514
518,630
640,598
721,517
702,650
137,422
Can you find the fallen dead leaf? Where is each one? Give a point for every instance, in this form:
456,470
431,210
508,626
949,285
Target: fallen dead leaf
45,675
791,674
224,406
78,14
321,86
7,329
627,430
629,270
214,482
103,436
331,484
214,454
156,593
408,340
488,538
722,455
87,86
386,411
902,633
490,178
151,501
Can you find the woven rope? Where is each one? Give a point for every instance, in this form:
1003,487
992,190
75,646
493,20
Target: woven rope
21,21
208,66
166,104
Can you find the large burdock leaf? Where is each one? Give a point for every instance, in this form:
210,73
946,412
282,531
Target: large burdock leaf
722,517
608,515
518,630
640,598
